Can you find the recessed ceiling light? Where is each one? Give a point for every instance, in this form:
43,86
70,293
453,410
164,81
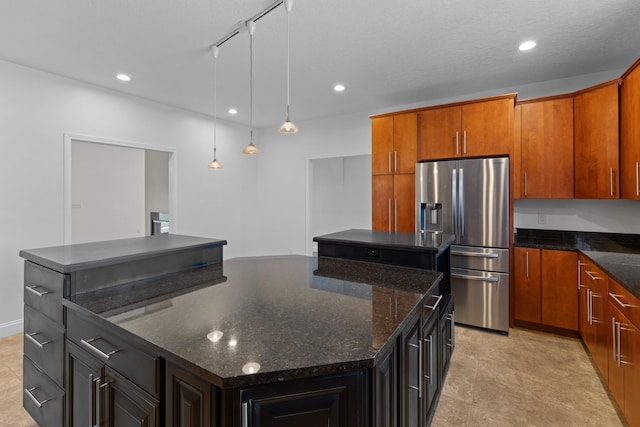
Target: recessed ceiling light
233,111
123,77
528,45
339,87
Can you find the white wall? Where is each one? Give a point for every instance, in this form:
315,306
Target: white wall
107,192
610,216
37,109
339,194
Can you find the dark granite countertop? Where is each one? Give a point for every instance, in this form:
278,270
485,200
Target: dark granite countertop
67,259
283,313
419,242
616,253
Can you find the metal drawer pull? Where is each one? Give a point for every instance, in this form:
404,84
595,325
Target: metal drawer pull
474,254
35,341
35,399
478,278
433,307
430,376
245,414
637,179
615,297
452,320
613,338
33,290
591,274
611,181
96,350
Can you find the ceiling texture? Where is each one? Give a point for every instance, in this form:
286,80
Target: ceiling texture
386,53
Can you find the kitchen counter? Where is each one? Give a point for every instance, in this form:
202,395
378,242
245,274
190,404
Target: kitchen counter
617,254
280,312
416,242
70,258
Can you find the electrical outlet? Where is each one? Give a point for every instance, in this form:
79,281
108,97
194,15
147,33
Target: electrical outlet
542,218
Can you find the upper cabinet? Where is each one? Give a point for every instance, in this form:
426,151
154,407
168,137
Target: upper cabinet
630,134
547,170
475,128
394,144
597,173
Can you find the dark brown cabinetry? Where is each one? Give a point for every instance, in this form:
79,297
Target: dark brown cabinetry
190,400
596,127
630,133
545,287
475,128
547,169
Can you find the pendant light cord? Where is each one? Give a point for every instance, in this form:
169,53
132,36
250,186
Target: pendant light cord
288,65
215,98
251,83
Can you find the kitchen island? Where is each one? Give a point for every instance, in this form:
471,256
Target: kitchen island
243,342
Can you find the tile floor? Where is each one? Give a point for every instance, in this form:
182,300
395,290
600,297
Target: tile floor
524,379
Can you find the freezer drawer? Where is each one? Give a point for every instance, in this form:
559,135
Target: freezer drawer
484,259
482,298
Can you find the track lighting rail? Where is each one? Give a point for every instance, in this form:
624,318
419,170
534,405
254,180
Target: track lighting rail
242,25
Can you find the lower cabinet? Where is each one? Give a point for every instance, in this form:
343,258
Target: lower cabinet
338,400
97,395
545,288
385,390
191,401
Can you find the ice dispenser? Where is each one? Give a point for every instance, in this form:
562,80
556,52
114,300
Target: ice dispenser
431,217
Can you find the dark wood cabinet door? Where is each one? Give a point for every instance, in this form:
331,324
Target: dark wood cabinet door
382,145
599,338
430,368
411,387
405,143
616,371
527,284
127,405
386,391
84,374
630,135
596,140
439,133
547,149
447,339
559,290
189,399
382,200
583,299
404,205
487,127
320,402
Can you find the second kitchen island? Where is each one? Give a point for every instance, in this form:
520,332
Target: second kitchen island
261,341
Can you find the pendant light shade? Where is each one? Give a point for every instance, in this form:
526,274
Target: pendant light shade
215,164
251,149
288,126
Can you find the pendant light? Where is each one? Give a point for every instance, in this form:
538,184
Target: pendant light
215,164
251,149
288,126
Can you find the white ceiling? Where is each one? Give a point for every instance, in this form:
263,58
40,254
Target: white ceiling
387,53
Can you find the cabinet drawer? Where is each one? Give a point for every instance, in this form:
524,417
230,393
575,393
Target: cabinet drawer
44,289
107,345
41,397
44,343
624,301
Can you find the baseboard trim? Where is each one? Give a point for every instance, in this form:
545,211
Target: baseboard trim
11,328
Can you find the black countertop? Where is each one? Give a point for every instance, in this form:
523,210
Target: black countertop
67,259
616,253
279,312
419,242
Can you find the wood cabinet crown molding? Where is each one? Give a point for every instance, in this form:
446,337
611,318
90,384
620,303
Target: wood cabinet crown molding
453,104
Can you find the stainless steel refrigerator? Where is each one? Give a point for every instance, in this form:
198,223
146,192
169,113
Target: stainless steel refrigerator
470,199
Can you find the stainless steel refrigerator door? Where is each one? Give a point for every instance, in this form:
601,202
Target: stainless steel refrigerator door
436,185
484,202
482,298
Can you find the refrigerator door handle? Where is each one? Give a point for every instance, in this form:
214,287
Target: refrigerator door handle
474,254
454,202
477,278
461,202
